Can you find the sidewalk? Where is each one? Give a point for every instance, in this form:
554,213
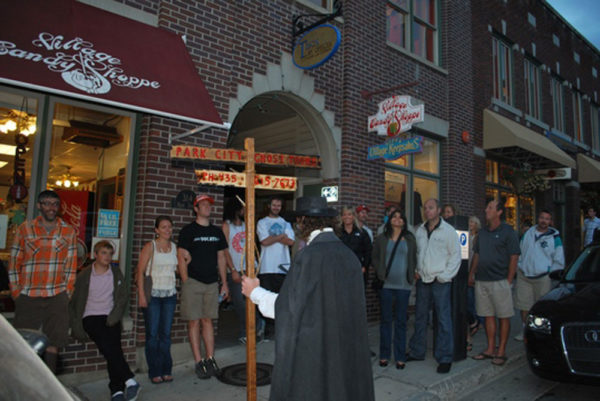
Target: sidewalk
418,381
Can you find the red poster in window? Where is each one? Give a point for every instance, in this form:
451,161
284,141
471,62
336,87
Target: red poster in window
74,209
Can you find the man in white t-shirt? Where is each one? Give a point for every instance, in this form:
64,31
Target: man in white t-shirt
276,236
590,224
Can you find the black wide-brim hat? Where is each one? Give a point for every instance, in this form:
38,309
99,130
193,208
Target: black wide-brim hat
314,206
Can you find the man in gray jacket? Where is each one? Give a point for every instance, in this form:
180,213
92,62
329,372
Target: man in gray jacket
438,261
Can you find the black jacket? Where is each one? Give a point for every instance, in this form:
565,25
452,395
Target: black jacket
359,242
321,348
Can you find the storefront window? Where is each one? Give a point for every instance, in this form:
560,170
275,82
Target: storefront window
520,209
88,159
428,160
19,127
416,174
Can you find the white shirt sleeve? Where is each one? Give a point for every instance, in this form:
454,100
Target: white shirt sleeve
262,229
289,231
265,300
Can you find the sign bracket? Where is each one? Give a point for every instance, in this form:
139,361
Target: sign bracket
298,27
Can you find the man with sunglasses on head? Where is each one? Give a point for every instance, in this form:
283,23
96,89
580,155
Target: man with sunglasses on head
42,269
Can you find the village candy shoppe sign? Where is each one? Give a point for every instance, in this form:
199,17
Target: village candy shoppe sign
395,115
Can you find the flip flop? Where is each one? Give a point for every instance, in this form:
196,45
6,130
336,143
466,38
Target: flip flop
481,356
499,360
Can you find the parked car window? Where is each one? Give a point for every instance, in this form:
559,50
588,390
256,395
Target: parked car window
586,267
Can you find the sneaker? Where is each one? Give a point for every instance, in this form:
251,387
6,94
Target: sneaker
132,392
201,370
212,367
118,396
242,340
444,367
519,337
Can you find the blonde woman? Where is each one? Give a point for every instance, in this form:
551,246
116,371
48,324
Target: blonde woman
159,255
355,238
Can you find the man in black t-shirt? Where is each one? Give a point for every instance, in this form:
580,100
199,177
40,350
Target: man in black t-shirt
201,261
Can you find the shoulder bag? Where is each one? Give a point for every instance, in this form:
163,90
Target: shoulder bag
148,277
377,284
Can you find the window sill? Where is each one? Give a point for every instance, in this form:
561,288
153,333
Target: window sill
581,145
561,135
507,107
417,58
537,122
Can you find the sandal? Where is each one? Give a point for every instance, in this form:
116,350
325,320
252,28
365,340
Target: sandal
481,356
499,360
157,380
167,378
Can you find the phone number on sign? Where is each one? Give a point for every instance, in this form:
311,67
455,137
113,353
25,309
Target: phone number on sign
213,177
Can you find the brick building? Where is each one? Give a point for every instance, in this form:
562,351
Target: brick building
536,79
437,52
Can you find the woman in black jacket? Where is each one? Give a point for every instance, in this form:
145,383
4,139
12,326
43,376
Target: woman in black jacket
355,239
398,245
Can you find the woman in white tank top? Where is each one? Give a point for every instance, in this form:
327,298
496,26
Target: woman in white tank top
159,259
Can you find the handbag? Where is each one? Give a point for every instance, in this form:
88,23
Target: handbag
148,277
377,284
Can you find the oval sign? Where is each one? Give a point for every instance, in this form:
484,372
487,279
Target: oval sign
316,46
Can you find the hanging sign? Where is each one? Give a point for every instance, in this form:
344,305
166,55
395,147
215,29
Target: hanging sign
234,179
316,46
395,115
395,148
239,156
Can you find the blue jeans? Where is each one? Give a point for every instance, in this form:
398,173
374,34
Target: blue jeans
439,294
158,317
387,297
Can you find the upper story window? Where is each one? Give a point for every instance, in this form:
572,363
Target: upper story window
413,25
502,59
324,4
558,105
595,125
533,89
577,117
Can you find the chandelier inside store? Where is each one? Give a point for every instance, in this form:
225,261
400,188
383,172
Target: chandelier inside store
15,120
67,180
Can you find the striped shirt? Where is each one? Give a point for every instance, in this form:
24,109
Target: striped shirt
42,263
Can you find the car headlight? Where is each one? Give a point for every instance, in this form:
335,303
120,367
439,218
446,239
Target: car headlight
539,323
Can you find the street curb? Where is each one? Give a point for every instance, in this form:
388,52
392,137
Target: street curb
468,381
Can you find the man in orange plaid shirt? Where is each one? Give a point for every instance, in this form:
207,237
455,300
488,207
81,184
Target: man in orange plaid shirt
42,269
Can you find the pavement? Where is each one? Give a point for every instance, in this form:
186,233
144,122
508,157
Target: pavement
419,381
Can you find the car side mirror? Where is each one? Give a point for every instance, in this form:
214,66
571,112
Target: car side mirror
556,275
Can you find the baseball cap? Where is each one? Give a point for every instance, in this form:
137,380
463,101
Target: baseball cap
201,198
362,207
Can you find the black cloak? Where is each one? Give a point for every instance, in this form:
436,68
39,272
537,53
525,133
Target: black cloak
322,348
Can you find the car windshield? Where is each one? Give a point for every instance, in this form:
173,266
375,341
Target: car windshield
586,267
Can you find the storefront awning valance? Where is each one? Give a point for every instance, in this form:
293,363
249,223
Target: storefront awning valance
72,49
513,141
588,169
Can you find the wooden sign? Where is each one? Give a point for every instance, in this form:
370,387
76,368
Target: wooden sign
239,156
261,181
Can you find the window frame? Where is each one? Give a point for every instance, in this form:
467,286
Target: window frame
412,19
595,126
504,64
577,116
533,95
327,9
558,104
413,173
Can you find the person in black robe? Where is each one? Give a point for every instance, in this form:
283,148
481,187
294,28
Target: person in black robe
321,343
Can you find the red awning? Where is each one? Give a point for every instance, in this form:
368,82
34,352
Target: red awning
72,49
